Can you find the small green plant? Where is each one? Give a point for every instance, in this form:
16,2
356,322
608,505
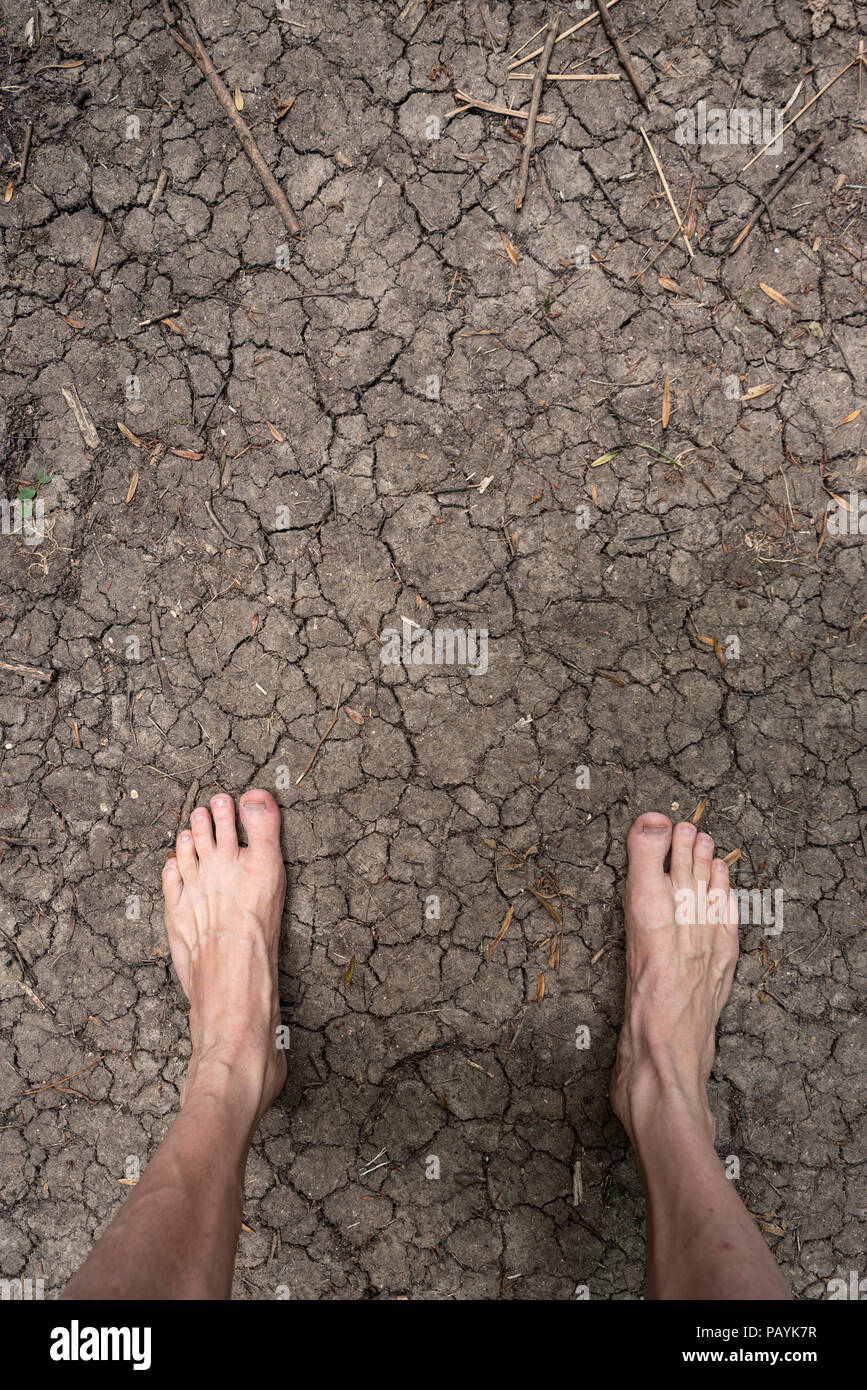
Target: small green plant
28,491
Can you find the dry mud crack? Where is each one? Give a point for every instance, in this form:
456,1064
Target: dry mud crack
316,418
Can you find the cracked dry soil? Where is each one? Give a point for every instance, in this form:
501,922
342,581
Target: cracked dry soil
197,631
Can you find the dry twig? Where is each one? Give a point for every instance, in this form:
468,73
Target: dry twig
805,107
323,738
622,55
519,63
529,141
188,38
34,672
664,182
764,203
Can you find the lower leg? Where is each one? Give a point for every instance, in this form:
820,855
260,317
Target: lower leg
175,1236
702,1242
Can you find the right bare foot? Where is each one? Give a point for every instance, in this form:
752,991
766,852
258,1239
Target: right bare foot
678,972
224,905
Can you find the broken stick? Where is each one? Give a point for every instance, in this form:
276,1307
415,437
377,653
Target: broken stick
664,182
764,203
529,140
159,190
189,803
799,114
622,55
189,39
528,57
33,672
82,417
323,738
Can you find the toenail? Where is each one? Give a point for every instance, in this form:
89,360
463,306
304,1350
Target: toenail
254,806
705,841
686,827
184,837
220,802
200,812
654,829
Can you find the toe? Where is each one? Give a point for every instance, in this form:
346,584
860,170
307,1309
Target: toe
185,851
203,832
647,845
260,817
718,897
172,884
702,856
719,881
681,854
223,811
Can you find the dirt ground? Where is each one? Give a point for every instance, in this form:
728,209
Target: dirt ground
198,627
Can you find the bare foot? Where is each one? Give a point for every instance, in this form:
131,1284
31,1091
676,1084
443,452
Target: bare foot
681,950
224,904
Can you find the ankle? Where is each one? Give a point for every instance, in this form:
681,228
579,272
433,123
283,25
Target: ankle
654,1095
234,1080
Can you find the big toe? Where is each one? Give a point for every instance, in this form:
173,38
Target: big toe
647,845
260,817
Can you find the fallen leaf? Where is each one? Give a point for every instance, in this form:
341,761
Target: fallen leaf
73,323
10,189
510,250
170,323
853,415
540,988
605,458
353,715
671,285
350,971
502,932
549,907
133,484
699,811
666,402
128,434
732,857
719,654
514,539
753,391
708,641
255,624
186,454
276,433
239,99
776,296
841,500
